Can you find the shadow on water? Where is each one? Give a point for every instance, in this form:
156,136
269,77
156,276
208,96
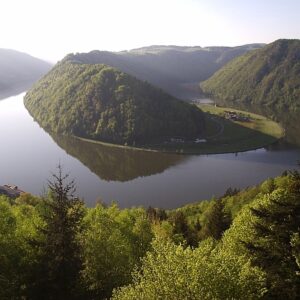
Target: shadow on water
117,164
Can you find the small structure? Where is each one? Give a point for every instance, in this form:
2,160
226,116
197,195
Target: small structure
234,116
11,191
200,141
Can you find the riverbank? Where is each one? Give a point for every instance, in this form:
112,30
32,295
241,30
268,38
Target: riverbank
227,131
131,178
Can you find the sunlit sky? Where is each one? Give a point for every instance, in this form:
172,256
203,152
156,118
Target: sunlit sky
50,29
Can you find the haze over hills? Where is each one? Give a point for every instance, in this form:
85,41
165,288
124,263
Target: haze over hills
267,77
176,69
100,102
18,71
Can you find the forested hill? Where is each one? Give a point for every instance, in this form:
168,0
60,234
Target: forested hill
102,103
268,77
171,68
18,71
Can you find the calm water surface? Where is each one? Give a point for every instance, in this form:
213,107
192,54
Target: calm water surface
28,155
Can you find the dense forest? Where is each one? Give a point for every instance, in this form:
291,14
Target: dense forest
18,71
243,245
175,69
269,77
102,103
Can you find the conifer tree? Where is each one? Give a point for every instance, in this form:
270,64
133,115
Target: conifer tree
60,260
275,247
217,221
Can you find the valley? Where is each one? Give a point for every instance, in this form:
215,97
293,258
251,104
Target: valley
123,175
118,181
161,207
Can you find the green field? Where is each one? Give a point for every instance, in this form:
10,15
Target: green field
223,135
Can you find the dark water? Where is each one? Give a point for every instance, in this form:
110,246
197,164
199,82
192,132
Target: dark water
28,155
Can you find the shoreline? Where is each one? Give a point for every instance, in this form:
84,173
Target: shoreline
250,139
172,151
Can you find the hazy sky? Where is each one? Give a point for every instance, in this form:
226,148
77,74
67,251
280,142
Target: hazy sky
52,28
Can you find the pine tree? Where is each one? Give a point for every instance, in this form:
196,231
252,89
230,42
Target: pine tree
217,221
275,247
60,261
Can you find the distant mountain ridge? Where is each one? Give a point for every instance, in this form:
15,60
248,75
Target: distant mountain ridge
175,69
18,71
268,77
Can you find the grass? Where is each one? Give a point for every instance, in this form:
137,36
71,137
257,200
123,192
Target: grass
258,123
227,136
222,135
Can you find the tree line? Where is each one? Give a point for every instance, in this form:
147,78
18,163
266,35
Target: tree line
243,245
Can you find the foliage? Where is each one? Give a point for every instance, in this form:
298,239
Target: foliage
114,240
268,77
53,247
175,272
17,258
266,231
101,103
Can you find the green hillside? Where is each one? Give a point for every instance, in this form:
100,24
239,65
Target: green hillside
102,103
269,77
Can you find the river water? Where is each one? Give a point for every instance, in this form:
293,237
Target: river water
28,155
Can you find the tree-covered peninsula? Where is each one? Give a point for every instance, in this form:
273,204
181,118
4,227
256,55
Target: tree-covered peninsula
99,102
268,77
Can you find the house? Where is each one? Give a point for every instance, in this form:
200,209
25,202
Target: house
234,116
11,191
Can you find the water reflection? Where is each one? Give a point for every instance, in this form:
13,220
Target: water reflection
117,164
28,155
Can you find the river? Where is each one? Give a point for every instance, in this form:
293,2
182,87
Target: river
28,156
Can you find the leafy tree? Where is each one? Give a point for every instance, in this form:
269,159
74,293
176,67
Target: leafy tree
17,257
9,252
173,272
114,241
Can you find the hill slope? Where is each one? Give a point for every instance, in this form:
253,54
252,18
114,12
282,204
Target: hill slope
268,77
18,71
171,68
102,103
